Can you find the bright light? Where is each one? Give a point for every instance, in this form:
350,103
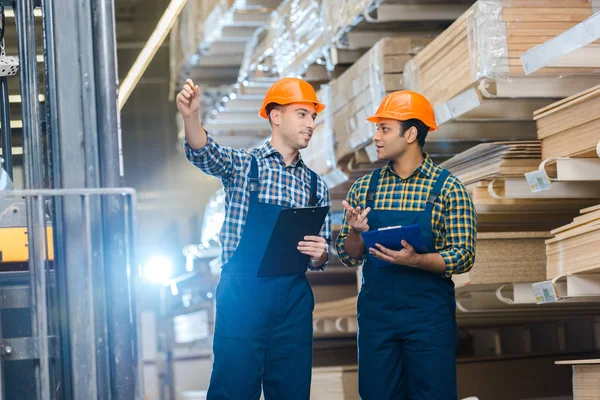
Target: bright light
158,269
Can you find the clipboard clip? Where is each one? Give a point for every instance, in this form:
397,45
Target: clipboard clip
389,227
254,185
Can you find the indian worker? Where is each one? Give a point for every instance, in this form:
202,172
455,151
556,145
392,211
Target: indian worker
407,331
263,330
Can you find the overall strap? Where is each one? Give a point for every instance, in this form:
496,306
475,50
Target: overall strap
254,182
373,188
313,200
436,190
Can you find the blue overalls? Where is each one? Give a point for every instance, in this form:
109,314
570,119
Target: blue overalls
406,318
263,329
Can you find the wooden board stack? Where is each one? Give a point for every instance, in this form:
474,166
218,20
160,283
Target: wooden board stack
357,93
335,383
496,164
527,261
335,318
574,247
294,39
571,127
483,47
586,378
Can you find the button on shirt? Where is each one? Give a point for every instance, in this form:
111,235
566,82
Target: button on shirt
287,186
454,217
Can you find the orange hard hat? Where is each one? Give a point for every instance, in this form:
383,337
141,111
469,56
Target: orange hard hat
404,105
290,90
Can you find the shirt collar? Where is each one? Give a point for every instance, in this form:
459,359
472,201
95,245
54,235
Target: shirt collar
424,169
267,150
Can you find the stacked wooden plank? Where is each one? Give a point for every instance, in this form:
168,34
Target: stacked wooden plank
491,171
526,262
357,93
335,383
575,247
483,47
335,318
293,39
571,127
586,378
320,153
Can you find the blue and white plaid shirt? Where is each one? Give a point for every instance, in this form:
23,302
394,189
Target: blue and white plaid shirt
287,186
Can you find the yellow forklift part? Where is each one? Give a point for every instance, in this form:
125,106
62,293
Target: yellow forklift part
13,245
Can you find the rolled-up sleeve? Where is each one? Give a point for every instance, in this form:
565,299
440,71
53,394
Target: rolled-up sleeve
340,243
214,159
460,219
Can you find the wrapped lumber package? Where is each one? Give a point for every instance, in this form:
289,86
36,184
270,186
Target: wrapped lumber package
494,176
527,261
335,383
571,127
482,48
320,153
586,378
575,246
294,38
357,93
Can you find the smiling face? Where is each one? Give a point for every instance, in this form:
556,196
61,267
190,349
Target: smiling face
295,123
388,139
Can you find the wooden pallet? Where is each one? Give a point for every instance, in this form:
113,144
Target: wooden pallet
487,42
571,127
575,247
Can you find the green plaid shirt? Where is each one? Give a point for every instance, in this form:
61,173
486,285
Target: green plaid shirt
454,217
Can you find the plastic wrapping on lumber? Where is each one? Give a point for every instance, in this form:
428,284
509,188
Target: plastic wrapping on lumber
294,38
487,42
320,154
338,15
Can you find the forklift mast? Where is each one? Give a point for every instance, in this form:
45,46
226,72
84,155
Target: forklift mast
68,317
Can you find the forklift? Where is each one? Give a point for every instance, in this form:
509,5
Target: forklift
68,270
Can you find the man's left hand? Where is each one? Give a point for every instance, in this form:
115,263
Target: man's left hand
406,256
315,247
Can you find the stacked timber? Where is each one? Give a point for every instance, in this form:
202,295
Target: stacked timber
493,175
320,153
357,93
482,48
575,247
335,318
586,378
293,39
335,383
571,127
526,262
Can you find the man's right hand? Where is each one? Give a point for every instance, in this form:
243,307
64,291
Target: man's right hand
358,220
188,100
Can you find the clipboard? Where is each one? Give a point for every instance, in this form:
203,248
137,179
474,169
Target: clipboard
392,237
282,256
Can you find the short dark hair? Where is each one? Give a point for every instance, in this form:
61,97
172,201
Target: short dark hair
422,129
274,106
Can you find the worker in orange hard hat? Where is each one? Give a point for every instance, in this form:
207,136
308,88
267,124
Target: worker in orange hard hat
264,304
406,306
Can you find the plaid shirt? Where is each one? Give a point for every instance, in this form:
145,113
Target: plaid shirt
454,217
287,186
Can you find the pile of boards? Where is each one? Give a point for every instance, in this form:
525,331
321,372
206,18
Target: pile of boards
356,93
586,378
570,127
483,48
493,172
575,247
526,262
335,383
